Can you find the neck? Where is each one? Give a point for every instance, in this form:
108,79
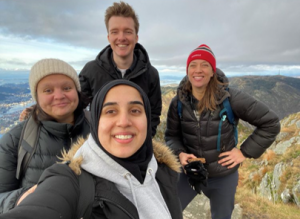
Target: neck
198,93
123,63
69,120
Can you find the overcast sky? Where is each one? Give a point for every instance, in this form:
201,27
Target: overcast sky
247,36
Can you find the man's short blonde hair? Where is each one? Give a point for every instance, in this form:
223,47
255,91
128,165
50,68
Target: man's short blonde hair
122,9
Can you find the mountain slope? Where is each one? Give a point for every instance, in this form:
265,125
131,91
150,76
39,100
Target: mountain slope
280,93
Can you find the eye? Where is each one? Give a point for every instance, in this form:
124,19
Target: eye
136,111
110,111
67,88
47,91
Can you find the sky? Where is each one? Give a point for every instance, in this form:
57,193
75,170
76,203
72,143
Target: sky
248,37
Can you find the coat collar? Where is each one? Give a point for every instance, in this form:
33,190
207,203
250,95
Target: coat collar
162,153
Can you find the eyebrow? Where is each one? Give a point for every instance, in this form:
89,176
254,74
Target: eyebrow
115,103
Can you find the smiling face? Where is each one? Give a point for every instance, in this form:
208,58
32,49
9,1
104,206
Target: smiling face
199,73
122,37
123,123
58,97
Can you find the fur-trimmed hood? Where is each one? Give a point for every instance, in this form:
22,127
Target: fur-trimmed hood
162,153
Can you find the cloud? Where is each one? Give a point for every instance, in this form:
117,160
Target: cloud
242,34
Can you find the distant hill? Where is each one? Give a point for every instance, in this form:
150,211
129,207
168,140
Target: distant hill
280,93
7,90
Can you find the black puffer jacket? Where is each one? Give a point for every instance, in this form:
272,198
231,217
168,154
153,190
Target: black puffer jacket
200,137
59,190
98,72
52,139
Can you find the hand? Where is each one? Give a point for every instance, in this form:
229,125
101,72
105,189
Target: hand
25,113
231,158
29,191
183,158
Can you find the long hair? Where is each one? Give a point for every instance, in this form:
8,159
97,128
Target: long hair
208,101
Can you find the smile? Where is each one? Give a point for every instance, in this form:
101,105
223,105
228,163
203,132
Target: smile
123,137
60,104
122,46
198,78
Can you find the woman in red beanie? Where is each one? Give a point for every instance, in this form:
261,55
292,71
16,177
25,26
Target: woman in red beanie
199,127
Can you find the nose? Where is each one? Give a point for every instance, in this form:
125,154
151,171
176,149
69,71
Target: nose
121,35
59,94
198,68
124,120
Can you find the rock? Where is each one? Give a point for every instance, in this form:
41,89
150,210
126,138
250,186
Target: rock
296,193
265,188
281,136
278,170
237,212
298,125
200,208
286,196
281,147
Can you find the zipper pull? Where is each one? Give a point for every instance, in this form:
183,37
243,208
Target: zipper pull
101,204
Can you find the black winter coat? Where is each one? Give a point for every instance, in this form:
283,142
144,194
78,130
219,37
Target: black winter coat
59,190
98,72
52,139
200,137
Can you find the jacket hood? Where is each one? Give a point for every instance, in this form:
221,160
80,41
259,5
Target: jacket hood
103,59
162,153
184,96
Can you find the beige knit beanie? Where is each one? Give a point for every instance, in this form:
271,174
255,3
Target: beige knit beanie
47,67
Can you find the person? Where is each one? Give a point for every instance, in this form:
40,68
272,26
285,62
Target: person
138,176
58,113
123,58
195,134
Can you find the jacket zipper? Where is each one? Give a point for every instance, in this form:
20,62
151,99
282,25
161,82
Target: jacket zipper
119,206
199,136
198,126
208,121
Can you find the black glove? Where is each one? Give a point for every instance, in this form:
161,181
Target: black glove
197,175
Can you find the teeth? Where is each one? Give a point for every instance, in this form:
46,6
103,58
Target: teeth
123,136
122,45
198,77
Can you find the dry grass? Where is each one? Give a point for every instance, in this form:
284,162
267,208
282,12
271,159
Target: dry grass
257,207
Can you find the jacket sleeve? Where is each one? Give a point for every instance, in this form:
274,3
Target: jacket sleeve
259,115
173,134
9,185
85,85
155,100
56,196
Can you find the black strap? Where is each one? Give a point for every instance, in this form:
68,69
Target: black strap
27,145
87,194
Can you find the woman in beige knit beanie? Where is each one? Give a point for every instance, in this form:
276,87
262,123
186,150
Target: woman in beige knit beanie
54,85
57,120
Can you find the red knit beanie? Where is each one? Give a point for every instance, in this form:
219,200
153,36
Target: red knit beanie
202,52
